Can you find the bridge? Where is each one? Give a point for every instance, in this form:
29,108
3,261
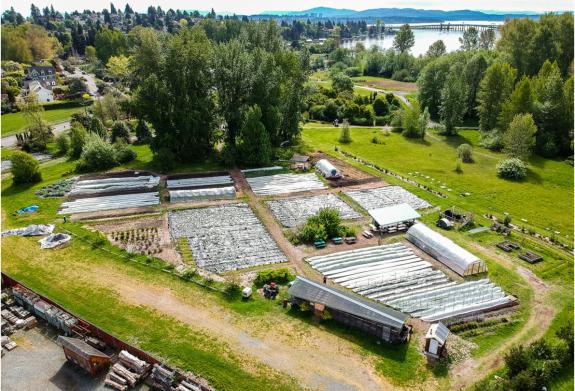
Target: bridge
450,26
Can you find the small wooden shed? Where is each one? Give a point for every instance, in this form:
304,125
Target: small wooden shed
435,340
83,355
299,162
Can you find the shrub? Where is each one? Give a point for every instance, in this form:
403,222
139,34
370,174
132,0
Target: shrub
96,126
165,159
143,132
120,131
97,155
326,224
344,135
492,140
458,168
465,153
380,106
353,71
124,154
77,135
512,168
25,168
233,289
62,144
279,276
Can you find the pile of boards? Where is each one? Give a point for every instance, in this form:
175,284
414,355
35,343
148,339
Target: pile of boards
166,379
127,372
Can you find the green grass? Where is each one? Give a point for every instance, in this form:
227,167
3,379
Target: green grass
544,198
16,122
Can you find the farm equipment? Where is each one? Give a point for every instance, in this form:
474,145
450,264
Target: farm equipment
337,240
319,244
350,240
271,290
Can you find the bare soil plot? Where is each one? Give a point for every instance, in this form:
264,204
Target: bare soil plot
351,175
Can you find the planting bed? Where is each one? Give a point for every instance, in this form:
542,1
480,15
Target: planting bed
213,193
115,185
291,212
394,275
386,196
204,181
225,238
284,183
97,204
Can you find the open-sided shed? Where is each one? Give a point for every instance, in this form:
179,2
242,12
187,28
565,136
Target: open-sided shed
445,251
395,216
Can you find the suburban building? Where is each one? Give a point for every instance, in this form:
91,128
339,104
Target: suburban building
43,94
382,322
41,73
85,356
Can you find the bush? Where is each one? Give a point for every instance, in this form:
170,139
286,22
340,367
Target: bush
233,290
165,159
97,127
25,168
353,71
77,135
511,169
279,276
143,132
97,155
465,153
492,140
344,135
124,154
120,131
326,224
62,144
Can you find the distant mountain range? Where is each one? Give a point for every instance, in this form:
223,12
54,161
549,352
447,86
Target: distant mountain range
398,15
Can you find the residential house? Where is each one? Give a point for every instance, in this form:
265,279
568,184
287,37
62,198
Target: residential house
43,94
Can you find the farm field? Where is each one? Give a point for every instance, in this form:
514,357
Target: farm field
16,122
541,199
385,84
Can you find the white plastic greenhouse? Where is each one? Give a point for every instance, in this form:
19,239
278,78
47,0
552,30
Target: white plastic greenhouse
445,251
213,193
327,169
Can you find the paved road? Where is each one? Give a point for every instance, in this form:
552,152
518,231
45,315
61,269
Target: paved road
10,141
401,95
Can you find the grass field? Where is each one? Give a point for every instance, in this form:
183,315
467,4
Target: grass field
16,122
542,199
386,84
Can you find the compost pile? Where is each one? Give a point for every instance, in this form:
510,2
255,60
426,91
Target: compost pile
225,238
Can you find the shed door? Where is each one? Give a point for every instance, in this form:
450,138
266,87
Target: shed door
433,345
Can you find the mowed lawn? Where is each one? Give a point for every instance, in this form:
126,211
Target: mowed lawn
16,122
386,84
544,198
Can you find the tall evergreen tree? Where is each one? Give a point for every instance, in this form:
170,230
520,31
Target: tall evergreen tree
494,89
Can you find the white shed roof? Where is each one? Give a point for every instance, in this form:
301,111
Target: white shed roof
445,251
439,332
394,214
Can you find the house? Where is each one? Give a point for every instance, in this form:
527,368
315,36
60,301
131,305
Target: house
372,318
41,73
83,355
435,340
43,94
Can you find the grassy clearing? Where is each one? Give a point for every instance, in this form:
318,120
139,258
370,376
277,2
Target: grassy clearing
387,84
542,198
16,122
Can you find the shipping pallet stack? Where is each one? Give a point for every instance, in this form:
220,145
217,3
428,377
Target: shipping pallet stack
166,379
127,372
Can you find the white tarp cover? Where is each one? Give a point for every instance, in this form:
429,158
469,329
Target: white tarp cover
54,240
392,215
199,181
327,169
31,230
445,251
284,183
97,204
386,196
213,193
107,185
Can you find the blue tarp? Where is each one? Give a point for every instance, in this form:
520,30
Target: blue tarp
28,209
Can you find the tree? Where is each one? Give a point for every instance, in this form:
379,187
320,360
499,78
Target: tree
430,82
91,53
494,89
118,67
143,133
255,148
487,39
470,39
120,131
521,101
78,136
39,132
97,155
453,101
344,133
110,42
473,73
436,49
411,121
77,86
465,153
519,139
404,39
380,106
341,83
516,360
25,169
97,127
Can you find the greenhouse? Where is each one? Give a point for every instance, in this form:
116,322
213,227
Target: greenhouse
445,251
215,193
327,169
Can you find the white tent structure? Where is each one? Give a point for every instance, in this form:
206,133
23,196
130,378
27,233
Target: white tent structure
327,169
393,215
445,251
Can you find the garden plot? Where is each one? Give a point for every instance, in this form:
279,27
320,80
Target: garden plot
98,204
386,196
225,238
100,186
199,182
394,275
291,212
284,183
215,193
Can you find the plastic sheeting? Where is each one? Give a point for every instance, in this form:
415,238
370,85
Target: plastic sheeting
445,251
31,230
199,181
54,240
97,204
108,185
291,212
215,193
284,183
327,169
392,215
386,196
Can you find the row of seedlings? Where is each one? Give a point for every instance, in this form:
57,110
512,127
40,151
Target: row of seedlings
394,275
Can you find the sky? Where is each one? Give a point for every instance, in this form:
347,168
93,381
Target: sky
258,6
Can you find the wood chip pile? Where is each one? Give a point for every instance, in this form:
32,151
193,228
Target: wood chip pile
291,212
224,238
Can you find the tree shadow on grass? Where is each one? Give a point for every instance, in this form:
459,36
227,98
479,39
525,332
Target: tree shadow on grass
419,141
394,352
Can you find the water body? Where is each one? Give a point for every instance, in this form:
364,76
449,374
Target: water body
423,39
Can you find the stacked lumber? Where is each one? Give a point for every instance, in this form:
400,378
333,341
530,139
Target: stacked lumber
127,372
161,377
133,362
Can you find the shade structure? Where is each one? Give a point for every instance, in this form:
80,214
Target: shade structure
392,215
445,251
